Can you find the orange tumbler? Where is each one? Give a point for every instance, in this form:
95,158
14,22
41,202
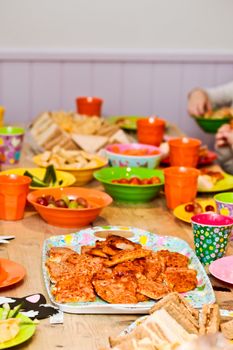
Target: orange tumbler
180,185
89,105
184,151
150,131
13,194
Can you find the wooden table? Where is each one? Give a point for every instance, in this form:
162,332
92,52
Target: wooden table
87,332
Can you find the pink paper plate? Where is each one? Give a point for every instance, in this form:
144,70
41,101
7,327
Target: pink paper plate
223,269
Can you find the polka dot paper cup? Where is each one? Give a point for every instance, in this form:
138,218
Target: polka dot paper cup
11,141
211,232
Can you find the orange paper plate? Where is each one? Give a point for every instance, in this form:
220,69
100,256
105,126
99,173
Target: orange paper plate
10,272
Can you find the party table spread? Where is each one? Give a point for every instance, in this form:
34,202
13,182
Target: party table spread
89,332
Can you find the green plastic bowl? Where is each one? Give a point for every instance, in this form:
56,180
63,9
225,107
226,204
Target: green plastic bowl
211,125
129,193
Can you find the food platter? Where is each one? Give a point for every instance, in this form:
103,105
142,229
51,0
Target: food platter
222,185
203,293
180,212
26,330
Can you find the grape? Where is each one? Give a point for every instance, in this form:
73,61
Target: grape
209,208
189,208
50,199
42,201
60,203
82,201
73,204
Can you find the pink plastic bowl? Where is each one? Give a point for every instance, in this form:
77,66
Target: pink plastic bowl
119,159
212,219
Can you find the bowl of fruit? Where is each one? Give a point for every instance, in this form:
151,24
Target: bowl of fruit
44,177
136,185
133,155
69,207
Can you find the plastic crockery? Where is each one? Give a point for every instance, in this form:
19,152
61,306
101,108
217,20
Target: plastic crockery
117,158
126,192
82,175
184,151
69,217
211,125
64,178
180,185
13,194
89,105
11,141
150,130
224,202
211,232
222,269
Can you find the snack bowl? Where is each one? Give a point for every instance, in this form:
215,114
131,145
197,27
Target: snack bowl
82,175
70,217
128,192
139,155
64,179
211,125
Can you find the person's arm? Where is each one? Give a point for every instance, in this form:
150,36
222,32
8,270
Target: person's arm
221,95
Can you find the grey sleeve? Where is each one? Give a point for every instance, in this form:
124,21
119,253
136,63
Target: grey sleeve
225,158
221,95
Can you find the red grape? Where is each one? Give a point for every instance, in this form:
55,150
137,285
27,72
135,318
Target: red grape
50,198
82,201
189,208
60,203
42,201
209,208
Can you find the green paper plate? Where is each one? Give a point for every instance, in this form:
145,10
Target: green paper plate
222,185
26,331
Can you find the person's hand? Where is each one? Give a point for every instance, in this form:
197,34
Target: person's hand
198,102
224,136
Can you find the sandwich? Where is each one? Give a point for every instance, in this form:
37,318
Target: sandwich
158,331
210,319
47,133
180,310
227,329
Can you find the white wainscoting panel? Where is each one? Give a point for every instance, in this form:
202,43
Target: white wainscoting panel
130,82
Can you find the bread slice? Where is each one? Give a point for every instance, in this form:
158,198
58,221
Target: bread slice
177,299
180,310
90,143
210,319
227,329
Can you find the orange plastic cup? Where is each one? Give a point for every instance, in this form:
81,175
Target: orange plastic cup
13,195
150,131
184,151
180,185
89,105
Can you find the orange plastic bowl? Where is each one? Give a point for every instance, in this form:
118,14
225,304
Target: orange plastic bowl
67,217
